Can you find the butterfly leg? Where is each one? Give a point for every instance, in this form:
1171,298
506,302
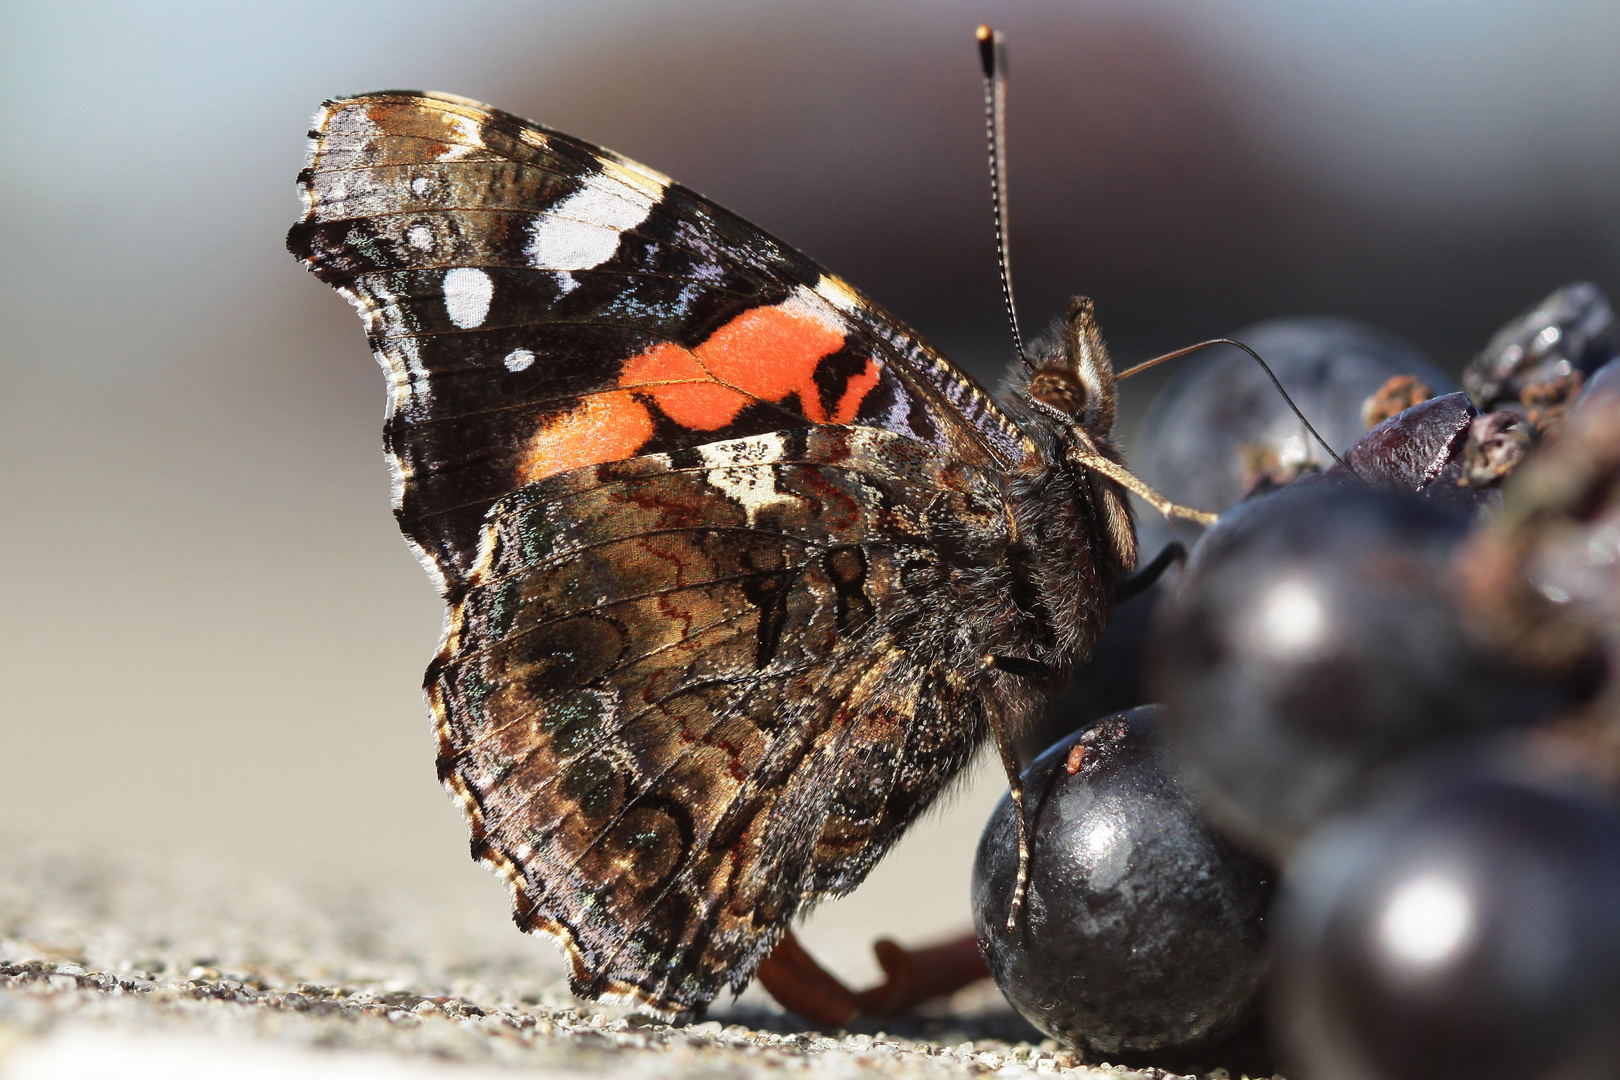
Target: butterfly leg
1017,665
1013,665
1144,579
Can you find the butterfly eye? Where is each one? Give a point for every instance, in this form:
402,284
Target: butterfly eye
1059,388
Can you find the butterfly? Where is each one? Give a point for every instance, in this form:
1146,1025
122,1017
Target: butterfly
739,572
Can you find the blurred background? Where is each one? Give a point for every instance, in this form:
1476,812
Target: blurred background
213,635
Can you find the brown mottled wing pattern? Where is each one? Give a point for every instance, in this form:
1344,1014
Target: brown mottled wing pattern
685,693
707,521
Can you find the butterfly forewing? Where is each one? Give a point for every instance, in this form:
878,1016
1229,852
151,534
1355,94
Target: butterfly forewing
540,304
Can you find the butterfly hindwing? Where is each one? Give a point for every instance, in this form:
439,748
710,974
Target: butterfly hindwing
679,695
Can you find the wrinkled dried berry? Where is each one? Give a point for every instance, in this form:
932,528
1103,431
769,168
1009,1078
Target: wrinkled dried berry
1142,928
1418,450
1313,640
1496,446
1399,393
1538,362
1441,449
1472,934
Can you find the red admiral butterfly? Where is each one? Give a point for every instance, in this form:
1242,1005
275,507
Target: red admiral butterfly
740,573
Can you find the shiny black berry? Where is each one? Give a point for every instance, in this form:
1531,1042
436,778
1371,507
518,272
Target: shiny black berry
1313,640
1472,934
1605,381
1219,431
1142,929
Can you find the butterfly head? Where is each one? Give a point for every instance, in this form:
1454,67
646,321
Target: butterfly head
1071,373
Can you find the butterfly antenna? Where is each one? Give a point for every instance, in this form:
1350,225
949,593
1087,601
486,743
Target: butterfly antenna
993,58
1144,365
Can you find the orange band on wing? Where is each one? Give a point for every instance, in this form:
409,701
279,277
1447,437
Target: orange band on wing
673,377
765,354
606,427
768,353
855,392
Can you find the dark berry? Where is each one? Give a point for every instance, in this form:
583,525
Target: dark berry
1472,934
1219,430
1441,448
1538,362
1541,580
1604,381
1312,640
1142,929
1417,450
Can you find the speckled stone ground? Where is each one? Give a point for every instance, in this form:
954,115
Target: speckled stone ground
118,966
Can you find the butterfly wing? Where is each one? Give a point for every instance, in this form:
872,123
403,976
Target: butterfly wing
705,519
540,304
685,693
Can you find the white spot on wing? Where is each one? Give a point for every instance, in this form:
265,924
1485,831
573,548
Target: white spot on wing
565,244
420,237
743,472
837,293
754,489
810,304
467,293
583,230
754,450
419,186
518,359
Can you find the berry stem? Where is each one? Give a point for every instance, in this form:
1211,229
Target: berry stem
801,985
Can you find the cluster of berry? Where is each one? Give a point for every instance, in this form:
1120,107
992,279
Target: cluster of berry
1377,802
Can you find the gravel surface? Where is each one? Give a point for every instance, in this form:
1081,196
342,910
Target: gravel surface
118,966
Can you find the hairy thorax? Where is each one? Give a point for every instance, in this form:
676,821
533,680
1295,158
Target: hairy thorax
1075,546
